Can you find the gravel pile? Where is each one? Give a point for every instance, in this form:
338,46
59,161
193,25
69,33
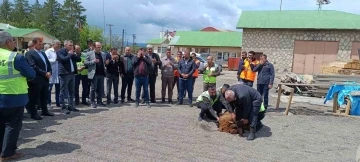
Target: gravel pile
169,133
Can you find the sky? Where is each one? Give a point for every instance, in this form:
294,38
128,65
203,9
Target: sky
146,18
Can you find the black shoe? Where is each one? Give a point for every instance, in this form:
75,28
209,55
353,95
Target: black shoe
73,109
116,102
65,111
47,114
77,103
130,100
85,103
191,105
36,117
101,104
142,101
251,135
170,102
162,101
93,105
153,101
122,101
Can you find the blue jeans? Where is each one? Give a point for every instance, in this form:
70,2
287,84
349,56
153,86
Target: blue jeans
142,81
186,84
263,89
57,94
67,85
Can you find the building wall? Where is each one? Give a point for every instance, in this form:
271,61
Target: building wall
213,52
29,37
278,44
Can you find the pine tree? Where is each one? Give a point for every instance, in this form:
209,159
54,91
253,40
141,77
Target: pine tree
20,15
50,18
5,11
36,15
71,17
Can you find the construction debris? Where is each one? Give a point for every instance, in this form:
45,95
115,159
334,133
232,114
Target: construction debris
294,78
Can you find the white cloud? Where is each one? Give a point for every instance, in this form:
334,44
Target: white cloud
144,17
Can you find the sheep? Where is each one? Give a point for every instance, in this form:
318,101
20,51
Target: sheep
227,124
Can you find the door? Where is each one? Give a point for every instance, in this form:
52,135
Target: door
355,50
310,56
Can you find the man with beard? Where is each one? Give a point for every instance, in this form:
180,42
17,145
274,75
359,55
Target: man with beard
244,104
211,104
249,65
241,69
153,72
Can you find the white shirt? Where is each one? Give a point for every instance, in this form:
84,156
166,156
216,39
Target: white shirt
51,55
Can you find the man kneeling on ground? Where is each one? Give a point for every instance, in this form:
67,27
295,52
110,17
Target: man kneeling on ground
210,103
245,107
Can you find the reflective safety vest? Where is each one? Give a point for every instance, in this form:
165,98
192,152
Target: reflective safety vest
244,71
211,70
262,108
81,64
196,72
250,75
11,81
207,95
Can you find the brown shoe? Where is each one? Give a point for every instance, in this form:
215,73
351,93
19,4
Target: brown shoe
15,156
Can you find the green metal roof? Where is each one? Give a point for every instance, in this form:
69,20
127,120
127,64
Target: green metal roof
324,19
207,39
21,32
156,41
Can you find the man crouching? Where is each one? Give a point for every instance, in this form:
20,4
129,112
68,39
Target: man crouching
245,107
210,104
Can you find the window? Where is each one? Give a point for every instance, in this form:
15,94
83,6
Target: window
219,56
223,56
233,55
162,49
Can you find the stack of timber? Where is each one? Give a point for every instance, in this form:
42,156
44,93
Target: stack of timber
328,80
296,79
333,67
351,68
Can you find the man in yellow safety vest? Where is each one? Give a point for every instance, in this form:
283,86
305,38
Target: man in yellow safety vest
14,71
210,72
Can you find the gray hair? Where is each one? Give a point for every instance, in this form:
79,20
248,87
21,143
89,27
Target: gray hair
55,41
30,43
47,46
4,36
149,46
66,42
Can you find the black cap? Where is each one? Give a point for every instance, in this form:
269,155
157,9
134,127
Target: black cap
89,41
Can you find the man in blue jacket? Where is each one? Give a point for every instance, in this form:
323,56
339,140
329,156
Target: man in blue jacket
67,70
13,96
186,69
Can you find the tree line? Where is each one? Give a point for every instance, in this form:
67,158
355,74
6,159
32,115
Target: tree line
64,21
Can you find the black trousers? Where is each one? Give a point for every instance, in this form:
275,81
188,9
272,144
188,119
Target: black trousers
126,82
10,126
152,82
85,88
38,93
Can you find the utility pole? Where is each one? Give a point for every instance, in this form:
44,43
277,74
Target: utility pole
110,25
122,41
127,42
280,4
134,37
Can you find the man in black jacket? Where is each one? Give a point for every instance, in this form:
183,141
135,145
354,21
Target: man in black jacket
114,69
153,72
245,106
67,70
127,79
38,87
141,65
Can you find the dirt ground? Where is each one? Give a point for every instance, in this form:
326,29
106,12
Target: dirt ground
172,133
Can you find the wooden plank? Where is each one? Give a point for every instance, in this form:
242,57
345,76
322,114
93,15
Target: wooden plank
335,103
348,105
279,97
289,102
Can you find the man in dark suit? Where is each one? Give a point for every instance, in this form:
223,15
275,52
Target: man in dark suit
67,70
38,87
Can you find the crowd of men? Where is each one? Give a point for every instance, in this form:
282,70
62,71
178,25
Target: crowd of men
27,80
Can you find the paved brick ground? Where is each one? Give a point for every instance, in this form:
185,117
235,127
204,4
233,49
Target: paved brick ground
169,133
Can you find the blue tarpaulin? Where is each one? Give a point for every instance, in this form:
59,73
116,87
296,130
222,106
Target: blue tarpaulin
345,90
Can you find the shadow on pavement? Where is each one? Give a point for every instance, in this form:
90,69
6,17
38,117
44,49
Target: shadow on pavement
49,148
